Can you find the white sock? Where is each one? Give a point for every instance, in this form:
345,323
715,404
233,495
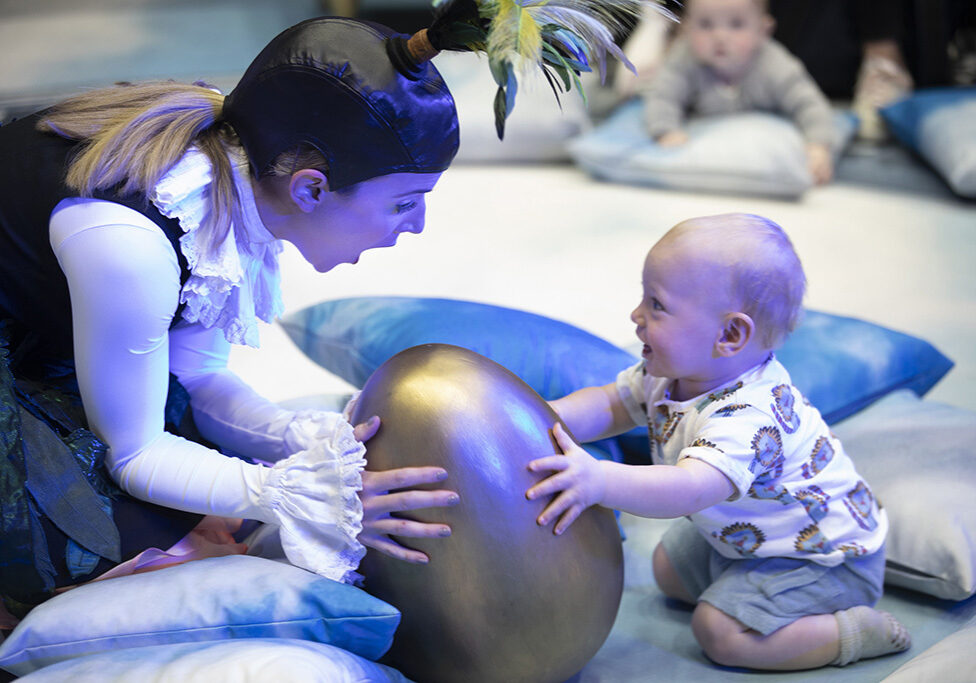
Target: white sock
866,632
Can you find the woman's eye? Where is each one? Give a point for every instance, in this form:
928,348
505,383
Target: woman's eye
403,207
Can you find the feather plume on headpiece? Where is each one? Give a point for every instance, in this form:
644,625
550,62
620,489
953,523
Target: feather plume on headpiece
562,37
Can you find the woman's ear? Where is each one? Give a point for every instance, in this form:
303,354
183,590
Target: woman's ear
738,330
307,188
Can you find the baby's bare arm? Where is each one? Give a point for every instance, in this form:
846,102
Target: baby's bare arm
664,491
669,93
579,480
593,413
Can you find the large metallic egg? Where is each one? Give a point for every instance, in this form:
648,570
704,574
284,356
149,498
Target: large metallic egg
502,599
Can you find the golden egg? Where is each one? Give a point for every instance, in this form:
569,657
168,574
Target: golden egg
502,599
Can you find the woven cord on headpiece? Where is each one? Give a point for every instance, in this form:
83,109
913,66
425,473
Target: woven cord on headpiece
562,37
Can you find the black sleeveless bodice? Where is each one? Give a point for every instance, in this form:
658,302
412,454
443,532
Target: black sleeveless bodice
33,290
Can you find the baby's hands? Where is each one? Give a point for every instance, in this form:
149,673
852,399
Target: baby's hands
673,138
579,482
820,163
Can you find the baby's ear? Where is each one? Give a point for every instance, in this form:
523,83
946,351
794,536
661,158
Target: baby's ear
738,330
768,24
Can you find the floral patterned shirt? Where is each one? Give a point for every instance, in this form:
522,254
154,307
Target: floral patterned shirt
797,492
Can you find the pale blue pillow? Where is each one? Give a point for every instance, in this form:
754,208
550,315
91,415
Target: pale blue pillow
221,598
940,125
250,659
919,459
750,153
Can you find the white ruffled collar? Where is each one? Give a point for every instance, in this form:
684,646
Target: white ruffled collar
238,281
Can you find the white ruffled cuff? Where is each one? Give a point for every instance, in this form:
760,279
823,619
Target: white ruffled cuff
312,496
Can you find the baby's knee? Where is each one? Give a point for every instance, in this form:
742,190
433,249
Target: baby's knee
667,578
718,634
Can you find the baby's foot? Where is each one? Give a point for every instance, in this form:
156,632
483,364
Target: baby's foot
866,632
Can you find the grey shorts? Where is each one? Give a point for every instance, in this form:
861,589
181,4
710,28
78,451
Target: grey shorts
765,594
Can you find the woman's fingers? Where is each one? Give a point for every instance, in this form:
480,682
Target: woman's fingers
365,431
395,526
408,500
378,503
404,477
390,547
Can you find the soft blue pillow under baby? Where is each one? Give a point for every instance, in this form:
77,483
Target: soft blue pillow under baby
840,364
220,598
940,124
750,153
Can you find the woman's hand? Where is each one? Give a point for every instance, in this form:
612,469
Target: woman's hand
382,495
579,482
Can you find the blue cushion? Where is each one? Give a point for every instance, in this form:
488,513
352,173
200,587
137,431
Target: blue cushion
940,125
840,364
843,364
237,596
748,153
353,337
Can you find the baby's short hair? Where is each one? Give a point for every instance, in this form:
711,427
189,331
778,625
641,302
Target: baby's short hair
766,276
761,5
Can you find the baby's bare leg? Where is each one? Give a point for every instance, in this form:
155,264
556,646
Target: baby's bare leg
809,642
667,578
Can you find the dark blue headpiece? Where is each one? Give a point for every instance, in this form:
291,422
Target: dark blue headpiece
331,83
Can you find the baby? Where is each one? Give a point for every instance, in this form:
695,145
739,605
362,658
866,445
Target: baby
723,62
782,547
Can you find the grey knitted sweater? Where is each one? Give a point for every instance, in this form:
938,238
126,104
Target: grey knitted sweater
775,82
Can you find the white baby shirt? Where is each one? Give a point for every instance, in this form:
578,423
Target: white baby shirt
797,495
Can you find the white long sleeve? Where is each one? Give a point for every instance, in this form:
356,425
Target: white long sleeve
226,410
124,281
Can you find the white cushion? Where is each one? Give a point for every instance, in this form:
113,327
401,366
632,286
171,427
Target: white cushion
749,153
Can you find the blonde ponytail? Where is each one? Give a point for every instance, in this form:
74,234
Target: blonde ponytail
133,134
